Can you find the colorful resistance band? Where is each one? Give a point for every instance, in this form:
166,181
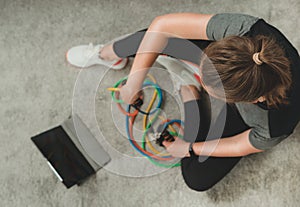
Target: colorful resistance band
155,156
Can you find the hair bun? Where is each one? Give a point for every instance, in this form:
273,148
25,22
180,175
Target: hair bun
256,59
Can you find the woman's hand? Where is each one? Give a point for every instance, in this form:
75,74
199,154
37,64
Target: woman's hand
129,94
178,148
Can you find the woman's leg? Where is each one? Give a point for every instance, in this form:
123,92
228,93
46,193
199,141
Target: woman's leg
176,47
201,176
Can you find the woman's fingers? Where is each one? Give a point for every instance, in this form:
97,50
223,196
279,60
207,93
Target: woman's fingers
167,143
129,95
177,148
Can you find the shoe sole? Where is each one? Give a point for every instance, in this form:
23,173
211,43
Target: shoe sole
112,67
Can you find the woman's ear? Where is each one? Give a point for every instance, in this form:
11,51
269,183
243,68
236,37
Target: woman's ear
261,99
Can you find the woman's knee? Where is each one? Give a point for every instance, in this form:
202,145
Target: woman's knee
196,179
197,184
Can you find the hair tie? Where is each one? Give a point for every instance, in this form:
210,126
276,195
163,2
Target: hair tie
256,59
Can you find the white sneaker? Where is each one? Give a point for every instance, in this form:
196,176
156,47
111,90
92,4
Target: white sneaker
84,56
179,71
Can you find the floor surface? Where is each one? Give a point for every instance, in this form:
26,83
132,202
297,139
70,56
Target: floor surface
37,87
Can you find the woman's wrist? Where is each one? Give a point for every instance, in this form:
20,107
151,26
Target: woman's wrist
134,84
196,148
136,80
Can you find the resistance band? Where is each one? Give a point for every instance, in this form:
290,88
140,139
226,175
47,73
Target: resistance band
155,156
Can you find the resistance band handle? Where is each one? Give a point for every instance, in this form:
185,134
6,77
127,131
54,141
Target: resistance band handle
164,136
137,103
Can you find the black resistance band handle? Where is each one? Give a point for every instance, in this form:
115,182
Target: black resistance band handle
165,135
137,103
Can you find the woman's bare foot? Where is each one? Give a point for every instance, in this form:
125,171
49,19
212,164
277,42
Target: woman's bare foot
107,53
189,93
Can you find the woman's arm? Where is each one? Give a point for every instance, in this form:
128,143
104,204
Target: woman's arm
234,146
181,25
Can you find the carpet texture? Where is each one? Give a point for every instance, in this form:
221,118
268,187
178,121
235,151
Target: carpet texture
36,90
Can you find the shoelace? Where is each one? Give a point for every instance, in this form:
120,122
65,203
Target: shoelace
91,50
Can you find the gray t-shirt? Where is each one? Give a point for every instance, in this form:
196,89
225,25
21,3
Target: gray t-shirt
227,24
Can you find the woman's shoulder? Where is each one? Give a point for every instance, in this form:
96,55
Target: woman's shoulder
226,24
261,27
